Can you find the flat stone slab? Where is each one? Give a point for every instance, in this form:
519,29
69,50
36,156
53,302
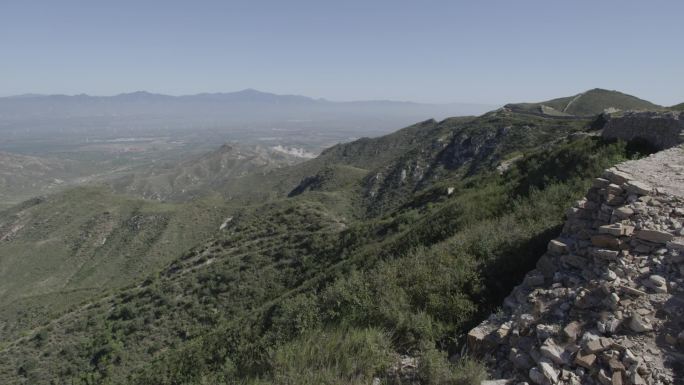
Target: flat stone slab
663,170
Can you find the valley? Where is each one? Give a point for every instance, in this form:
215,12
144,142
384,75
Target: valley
248,264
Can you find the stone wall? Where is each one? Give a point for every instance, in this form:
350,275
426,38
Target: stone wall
605,304
661,129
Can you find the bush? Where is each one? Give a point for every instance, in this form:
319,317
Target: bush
435,369
337,356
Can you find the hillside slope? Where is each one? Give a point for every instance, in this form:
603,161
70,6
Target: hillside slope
202,175
62,249
401,164
23,176
386,270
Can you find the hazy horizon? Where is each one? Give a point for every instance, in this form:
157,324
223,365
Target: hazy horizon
33,94
489,52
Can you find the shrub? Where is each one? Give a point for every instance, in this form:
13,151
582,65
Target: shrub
337,356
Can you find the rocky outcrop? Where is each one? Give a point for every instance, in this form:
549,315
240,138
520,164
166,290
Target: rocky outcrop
605,304
660,129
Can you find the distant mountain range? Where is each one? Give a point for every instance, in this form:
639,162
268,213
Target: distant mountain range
247,116
248,104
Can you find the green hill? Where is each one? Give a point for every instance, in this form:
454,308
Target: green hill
60,250
589,103
201,175
678,107
23,176
336,270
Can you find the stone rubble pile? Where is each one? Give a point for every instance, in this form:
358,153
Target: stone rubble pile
605,304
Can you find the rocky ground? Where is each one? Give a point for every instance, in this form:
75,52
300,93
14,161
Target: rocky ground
605,304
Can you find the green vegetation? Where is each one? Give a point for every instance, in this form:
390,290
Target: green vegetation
23,177
336,356
200,176
60,250
678,107
371,261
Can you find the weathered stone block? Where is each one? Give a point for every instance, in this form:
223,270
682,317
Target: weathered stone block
623,212
655,236
557,247
616,230
636,187
600,183
616,378
598,345
572,330
585,360
551,350
479,340
604,253
640,324
616,176
676,244
574,261
606,241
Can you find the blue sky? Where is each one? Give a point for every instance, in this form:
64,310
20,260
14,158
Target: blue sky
483,51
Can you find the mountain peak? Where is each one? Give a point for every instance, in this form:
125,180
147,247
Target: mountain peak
139,94
589,103
250,91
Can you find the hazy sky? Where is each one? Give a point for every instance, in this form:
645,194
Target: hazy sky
482,51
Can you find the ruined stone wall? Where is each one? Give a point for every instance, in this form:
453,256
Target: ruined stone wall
605,304
661,129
